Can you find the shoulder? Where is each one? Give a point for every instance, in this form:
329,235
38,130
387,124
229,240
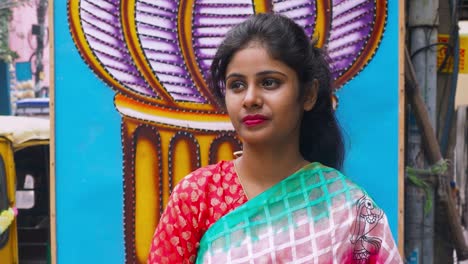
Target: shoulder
369,233
338,183
201,180
204,175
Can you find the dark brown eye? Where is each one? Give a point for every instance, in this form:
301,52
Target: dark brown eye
236,85
270,83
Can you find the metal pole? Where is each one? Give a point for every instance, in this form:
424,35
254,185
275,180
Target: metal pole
445,238
422,23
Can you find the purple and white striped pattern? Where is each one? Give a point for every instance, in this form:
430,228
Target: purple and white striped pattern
351,27
157,31
211,21
102,28
303,12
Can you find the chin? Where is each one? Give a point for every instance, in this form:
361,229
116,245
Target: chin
258,139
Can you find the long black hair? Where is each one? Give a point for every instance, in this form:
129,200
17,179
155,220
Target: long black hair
320,135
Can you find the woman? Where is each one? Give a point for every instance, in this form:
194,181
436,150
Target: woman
281,200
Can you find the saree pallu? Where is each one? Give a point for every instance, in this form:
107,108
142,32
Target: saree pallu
316,215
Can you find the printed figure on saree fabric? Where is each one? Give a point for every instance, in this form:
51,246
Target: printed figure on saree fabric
281,200
368,218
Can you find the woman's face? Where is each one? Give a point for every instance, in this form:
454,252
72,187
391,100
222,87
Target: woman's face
262,98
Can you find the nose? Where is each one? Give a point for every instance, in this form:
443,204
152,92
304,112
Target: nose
253,97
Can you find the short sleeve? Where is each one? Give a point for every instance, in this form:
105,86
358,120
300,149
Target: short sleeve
177,235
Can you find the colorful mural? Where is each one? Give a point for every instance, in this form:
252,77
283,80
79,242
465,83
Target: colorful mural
156,56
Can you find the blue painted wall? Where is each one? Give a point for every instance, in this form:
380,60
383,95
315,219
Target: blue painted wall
89,190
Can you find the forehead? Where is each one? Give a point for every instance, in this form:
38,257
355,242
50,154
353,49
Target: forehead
255,57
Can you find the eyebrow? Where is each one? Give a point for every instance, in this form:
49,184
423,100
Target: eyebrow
258,74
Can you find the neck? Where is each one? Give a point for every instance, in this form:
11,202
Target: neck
267,165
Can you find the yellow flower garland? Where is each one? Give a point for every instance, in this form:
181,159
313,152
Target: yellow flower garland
6,218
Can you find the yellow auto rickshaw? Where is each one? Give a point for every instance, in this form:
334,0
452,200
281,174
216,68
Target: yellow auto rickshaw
24,185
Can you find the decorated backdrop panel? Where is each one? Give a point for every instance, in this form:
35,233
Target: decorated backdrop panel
134,114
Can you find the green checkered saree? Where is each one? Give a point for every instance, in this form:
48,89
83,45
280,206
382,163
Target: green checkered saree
316,215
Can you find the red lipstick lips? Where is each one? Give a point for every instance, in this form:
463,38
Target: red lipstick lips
253,120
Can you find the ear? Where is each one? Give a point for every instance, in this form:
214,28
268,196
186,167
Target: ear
310,95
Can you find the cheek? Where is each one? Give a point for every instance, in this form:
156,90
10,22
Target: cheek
228,103
231,108
287,103
291,110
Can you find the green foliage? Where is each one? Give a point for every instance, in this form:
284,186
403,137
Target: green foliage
6,54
